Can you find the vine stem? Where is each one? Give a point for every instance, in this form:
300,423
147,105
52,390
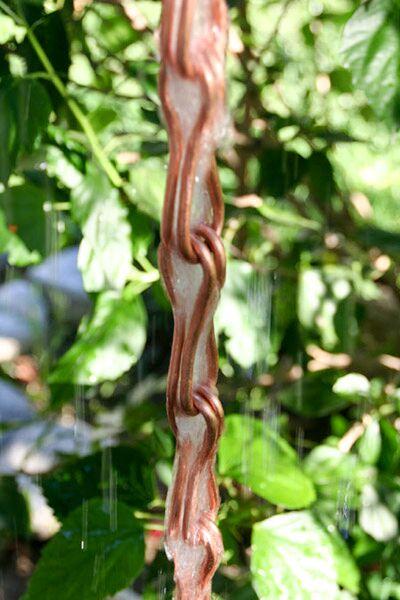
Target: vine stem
82,119
74,107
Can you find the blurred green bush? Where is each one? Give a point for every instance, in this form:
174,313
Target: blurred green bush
308,323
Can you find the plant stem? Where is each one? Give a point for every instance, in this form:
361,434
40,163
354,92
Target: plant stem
11,13
74,107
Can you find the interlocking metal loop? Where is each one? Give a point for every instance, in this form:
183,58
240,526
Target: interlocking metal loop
192,262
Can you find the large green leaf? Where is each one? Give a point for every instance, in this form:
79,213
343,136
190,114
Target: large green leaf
370,444
294,556
123,470
371,48
105,254
108,344
147,185
256,456
98,551
24,113
324,297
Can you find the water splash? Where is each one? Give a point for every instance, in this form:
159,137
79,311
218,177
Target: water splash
98,580
85,518
259,301
80,432
109,487
161,585
345,517
271,427
9,274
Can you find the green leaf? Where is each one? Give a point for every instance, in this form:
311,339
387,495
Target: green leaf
375,517
102,117
312,291
124,470
243,314
293,557
31,108
147,186
18,254
105,253
257,457
347,572
323,296
371,49
389,459
115,31
273,212
24,113
8,136
24,207
108,344
370,444
59,166
96,553
352,385
142,232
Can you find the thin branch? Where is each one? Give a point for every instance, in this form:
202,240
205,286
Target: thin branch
278,23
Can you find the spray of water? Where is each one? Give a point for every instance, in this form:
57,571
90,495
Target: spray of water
109,487
344,513
85,516
161,586
259,301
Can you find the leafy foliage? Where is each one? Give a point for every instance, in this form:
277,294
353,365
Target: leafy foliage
293,553
122,471
105,254
309,348
257,457
108,344
371,49
97,552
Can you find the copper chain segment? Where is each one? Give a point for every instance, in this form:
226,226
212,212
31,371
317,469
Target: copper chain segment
192,262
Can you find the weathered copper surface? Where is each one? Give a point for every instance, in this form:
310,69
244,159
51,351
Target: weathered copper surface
192,262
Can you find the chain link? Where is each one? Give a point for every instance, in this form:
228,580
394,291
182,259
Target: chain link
192,262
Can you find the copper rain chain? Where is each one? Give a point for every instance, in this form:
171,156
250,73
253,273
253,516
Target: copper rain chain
192,262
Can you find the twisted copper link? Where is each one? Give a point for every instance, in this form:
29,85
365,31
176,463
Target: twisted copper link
192,262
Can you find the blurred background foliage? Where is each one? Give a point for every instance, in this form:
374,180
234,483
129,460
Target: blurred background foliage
308,324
